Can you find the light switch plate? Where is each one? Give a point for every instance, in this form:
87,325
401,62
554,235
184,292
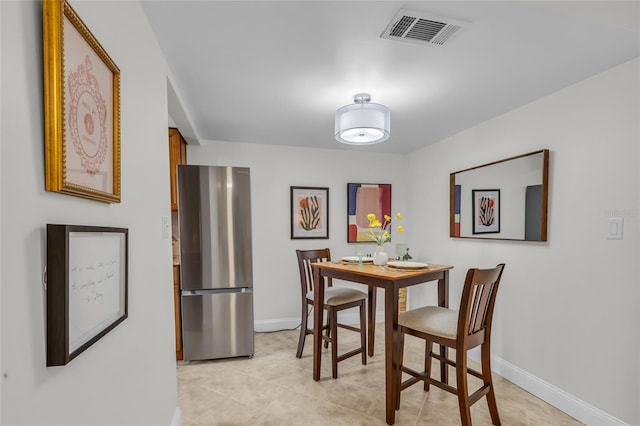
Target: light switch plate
614,228
166,227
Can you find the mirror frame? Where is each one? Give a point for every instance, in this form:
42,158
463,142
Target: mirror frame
545,196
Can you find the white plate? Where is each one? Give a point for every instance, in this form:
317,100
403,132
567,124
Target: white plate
401,264
354,259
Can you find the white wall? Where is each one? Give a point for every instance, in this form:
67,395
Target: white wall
274,169
567,309
128,377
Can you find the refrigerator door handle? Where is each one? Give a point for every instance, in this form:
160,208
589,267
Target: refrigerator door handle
217,291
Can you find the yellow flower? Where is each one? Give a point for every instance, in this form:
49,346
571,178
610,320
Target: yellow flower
383,235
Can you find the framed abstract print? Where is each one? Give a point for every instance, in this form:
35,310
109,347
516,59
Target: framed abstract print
362,199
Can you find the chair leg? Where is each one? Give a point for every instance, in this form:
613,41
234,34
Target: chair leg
399,368
363,332
328,333
303,330
333,327
463,388
486,377
427,363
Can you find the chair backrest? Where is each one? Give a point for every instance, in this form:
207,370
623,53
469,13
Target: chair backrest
305,259
476,306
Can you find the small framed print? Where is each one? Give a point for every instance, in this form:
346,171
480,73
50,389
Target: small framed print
486,211
82,108
309,212
86,287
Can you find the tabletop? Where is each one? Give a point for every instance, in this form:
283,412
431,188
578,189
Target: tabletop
384,272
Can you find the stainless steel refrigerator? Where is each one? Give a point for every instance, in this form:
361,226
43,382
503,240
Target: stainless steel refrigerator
216,274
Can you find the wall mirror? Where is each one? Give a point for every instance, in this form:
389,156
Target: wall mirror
503,200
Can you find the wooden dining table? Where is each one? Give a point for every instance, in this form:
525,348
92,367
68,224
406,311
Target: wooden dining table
391,280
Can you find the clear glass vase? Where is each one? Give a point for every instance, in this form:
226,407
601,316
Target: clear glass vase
380,256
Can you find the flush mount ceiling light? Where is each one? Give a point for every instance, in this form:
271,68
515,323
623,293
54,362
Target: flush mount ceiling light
362,123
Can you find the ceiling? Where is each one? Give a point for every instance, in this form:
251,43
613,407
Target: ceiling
270,72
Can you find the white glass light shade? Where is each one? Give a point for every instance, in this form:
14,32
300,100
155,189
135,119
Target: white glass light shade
362,123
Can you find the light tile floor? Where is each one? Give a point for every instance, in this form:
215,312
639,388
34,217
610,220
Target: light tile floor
276,388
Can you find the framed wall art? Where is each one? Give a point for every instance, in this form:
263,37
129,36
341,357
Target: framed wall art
82,108
486,211
86,287
362,199
309,212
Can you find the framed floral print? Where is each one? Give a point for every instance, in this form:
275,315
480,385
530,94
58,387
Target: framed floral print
309,212
82,108
486,211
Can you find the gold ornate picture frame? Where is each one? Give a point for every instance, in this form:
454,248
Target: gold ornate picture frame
82,108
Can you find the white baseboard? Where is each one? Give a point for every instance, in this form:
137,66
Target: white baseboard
265,326
177,417
576,408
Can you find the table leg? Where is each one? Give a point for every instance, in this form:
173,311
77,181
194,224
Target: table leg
371,317
318,307
443,300
391,354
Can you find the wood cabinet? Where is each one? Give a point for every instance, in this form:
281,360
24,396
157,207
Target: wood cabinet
177,155
176,307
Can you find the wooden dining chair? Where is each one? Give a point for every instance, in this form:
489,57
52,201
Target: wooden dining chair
462,330
335,299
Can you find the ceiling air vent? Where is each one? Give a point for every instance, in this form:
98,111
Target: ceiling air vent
421,28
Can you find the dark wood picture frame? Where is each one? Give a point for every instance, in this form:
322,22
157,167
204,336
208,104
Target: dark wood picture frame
309,212
459,225
87,287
